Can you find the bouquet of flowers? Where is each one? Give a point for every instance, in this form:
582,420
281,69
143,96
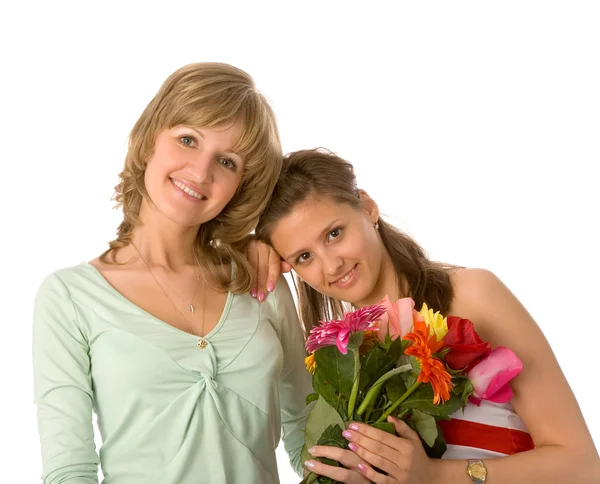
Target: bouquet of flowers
389,359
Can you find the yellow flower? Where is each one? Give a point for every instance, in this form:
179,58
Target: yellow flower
437,323
311,364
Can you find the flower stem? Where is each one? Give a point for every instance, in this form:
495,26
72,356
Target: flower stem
407,394
376,388
354,393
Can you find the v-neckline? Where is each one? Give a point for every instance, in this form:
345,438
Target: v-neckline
210,334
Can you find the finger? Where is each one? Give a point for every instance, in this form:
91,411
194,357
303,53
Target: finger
376,460
343,456
336,473
252,254
378,451
358,432
274,269
263,270
374,476
285,266
403,430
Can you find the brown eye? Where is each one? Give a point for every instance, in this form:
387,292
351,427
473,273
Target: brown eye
302,258
334,234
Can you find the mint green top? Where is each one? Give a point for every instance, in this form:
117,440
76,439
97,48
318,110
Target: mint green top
168,411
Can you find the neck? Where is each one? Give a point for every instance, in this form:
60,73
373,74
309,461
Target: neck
162,242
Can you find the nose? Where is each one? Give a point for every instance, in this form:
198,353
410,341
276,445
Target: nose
332,263
201,166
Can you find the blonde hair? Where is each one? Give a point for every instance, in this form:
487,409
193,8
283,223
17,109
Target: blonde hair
207,95
316,174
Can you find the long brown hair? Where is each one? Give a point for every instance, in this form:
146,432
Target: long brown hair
317,173
207,95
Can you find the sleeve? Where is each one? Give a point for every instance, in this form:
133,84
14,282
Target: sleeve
295,381
62,388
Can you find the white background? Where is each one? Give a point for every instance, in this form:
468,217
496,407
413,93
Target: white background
474,125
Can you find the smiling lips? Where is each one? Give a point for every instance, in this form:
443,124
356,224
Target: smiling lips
348,277
183,187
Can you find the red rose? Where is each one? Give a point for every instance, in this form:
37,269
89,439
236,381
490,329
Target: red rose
466,347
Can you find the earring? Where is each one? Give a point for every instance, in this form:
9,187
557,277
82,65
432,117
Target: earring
376,225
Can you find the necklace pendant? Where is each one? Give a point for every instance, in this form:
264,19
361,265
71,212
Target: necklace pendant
202,343
191,308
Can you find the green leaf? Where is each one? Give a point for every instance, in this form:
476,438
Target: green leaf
310,478
463,388
329,393
336,369
395,387
409,378
373,365
422,399
332,436
355,340
324,389
439,447
395,350
320,417
325,480
426,426
312,397
304,455
386,427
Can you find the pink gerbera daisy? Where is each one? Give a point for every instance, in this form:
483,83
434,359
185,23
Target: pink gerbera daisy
337,332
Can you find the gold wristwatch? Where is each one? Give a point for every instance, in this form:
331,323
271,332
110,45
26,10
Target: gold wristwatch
477,471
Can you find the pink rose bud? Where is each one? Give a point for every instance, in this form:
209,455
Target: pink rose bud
491,375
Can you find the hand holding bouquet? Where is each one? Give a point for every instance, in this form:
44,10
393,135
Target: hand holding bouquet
389,359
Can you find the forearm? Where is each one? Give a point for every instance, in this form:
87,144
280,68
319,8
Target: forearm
544,465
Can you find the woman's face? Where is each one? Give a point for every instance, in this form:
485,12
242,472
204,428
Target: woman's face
193,172
334,248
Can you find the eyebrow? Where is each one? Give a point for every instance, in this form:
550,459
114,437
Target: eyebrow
323,232
201,134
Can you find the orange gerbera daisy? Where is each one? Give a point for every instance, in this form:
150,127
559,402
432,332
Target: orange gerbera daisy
433,369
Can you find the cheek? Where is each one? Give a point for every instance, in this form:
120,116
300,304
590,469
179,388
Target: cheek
373,249
227,184
311,276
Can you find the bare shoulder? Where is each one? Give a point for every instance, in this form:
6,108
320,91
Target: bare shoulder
480,295
119,265
474,287
473,278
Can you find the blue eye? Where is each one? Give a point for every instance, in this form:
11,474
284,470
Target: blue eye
228,163
187,141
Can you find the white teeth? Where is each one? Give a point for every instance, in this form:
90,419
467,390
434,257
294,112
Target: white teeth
346,278
188,190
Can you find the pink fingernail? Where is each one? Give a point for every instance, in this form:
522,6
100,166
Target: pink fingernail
353,426
253,292
261,296
362,467
312,450
347,434
270,287
310,464
353,446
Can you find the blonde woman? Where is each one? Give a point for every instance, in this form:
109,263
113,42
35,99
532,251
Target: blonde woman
191,378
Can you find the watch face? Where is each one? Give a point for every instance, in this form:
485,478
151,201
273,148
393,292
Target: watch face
477,471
